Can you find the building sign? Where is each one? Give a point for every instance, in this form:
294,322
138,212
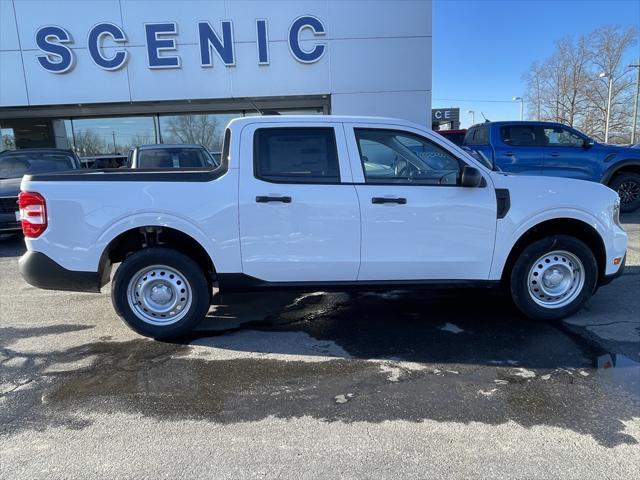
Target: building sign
57,56
444,115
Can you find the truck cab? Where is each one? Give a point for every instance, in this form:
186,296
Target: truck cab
557,150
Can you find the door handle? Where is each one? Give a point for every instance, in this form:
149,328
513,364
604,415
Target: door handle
554,154
266,199
399,201
508,154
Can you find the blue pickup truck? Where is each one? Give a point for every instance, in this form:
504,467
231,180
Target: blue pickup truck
553,149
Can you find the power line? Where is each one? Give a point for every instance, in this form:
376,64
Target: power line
472,100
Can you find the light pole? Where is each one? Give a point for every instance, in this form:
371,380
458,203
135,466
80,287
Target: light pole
606,125
521,100
635,103
473,116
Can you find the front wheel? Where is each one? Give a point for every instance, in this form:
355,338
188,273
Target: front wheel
553,277
160,293
627,185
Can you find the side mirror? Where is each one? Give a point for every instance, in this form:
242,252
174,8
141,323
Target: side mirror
588,143
471,177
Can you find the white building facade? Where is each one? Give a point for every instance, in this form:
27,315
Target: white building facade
101,75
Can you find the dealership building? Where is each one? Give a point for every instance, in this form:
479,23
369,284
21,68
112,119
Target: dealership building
102,76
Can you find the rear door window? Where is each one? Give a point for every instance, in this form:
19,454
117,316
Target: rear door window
296,155
519,135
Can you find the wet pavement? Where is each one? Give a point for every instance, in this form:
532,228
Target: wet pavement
439,383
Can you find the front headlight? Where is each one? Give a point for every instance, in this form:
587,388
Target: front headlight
616,213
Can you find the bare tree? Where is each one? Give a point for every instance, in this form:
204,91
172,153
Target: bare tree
566,87
199,129
88,143
608,48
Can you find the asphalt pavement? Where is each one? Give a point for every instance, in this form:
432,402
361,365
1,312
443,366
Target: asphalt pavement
446,383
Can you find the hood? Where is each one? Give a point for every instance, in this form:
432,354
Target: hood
534,194
10,187
626,152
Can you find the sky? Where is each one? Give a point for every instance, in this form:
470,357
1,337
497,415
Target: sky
481,48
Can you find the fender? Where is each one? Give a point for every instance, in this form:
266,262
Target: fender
150,219
507,235
613,169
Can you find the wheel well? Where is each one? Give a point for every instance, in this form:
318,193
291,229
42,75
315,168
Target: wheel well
559,226
632,168
155,236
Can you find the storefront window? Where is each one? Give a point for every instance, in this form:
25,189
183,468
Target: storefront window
113,135
200,129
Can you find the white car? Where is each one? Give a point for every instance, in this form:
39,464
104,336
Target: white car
318,203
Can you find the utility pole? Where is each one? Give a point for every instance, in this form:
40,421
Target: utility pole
113,133
635,103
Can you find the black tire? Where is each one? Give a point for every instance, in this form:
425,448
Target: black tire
519,278
186,267
627,184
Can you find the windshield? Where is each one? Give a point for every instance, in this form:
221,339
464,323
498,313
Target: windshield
15,165
163,157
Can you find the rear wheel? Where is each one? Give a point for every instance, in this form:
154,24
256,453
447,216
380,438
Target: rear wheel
160,293
553,277
627,184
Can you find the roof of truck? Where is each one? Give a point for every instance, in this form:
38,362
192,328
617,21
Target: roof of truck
320,119
155,146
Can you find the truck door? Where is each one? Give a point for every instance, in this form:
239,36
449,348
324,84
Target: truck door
299,212
417,222
518,149
566,154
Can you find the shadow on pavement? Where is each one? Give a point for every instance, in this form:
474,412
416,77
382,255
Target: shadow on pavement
460,356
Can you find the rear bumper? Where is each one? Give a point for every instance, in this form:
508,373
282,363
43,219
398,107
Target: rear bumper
40,271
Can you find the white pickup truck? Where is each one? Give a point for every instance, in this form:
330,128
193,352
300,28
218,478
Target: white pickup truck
313,203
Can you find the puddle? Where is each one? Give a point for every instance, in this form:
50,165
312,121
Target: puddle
620,371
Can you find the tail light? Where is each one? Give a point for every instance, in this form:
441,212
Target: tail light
33,214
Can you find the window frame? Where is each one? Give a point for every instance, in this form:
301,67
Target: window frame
536,131
560,145
461,163
300,180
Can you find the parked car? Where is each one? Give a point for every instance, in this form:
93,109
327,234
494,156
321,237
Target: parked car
455,136
16,163
553,149
318,203
113,160
170,156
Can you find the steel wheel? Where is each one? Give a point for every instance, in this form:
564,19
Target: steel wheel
556,279
159,295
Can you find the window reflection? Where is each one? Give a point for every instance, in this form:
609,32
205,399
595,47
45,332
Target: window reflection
112,136
198,129
8,139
